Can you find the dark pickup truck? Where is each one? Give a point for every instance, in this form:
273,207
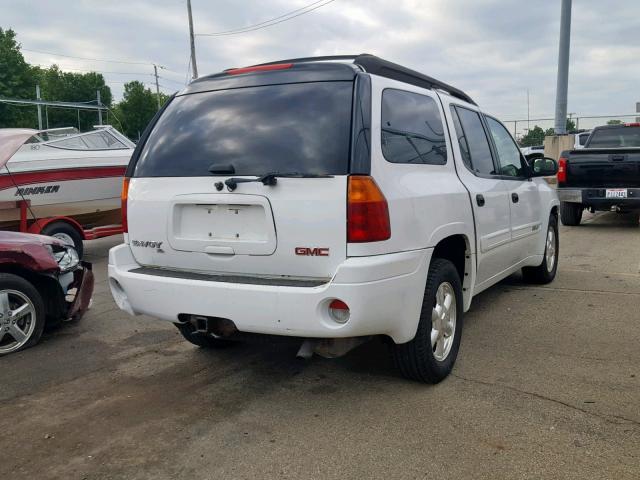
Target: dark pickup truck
605,175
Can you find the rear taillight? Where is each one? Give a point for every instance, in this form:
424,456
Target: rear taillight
634,124
367,211
562,170
123,199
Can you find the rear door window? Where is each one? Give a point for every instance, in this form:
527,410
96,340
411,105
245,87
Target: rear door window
473,141
412,129
301,128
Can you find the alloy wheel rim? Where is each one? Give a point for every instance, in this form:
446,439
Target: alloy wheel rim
550,255
64,238
443,321
17,320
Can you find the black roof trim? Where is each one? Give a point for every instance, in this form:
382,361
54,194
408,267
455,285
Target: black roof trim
378,66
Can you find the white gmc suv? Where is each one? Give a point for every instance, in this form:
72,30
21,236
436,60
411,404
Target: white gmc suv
329,199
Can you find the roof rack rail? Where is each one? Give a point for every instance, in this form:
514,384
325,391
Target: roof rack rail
378,66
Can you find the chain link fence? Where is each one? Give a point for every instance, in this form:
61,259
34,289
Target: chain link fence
519,128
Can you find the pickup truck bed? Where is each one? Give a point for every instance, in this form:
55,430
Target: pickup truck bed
602,178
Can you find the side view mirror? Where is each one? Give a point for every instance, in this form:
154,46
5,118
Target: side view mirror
544,167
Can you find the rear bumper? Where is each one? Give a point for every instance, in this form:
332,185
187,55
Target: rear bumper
596,197
384,294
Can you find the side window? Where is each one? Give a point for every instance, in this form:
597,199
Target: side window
412,129
509,157
473,141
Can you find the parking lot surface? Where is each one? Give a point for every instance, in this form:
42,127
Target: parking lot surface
547,385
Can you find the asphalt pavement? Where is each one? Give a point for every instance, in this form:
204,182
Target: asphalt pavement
546,385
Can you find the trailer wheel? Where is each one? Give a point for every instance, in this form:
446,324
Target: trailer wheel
65,233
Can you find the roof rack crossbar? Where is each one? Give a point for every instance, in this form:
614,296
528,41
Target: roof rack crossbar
378,66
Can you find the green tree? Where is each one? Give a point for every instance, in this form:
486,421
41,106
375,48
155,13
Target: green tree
535,136
137,108
16,81
570,126
57,85
614,122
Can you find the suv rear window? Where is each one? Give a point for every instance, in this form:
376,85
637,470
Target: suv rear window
617,137
302,128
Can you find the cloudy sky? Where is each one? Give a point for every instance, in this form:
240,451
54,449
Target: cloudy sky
493,49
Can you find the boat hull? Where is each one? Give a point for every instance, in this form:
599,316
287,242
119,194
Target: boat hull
89,195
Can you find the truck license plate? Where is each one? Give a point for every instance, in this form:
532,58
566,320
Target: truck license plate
616,193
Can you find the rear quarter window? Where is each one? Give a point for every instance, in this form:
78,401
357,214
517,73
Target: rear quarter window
412,129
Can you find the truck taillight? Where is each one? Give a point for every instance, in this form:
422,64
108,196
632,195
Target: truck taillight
367,211
562,170
123,197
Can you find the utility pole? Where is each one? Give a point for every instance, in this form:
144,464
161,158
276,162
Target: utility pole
528,125
194,66
155,73
99,109
563,69
39,107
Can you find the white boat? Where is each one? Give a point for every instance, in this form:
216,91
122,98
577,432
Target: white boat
63,173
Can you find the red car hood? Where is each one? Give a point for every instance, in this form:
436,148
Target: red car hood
14,238
11,139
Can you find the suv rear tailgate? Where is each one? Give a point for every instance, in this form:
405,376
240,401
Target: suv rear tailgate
296,228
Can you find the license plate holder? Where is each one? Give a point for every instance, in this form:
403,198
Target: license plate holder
616,193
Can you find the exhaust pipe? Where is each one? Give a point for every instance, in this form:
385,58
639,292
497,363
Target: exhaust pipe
305,351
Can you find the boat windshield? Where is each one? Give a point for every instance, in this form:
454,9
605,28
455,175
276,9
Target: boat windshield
97,140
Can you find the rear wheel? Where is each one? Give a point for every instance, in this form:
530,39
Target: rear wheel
22,314
571,213
430,356
546,271
204,340
66,234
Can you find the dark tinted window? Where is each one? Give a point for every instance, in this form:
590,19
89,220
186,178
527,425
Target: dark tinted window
412,130
509,156
617,137
476,142
302,128
582,138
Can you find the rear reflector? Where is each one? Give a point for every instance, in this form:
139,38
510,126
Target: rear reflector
260,68
339,311
367,211
123,199
562,170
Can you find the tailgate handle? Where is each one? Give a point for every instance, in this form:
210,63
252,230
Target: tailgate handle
213,250
617,158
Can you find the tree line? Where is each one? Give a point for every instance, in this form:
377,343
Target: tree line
18,80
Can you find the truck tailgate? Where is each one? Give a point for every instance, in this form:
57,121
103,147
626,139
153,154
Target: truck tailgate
603,168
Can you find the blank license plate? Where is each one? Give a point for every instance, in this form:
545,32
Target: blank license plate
616,193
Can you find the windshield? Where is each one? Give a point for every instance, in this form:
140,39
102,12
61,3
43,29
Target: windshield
618,137
303,127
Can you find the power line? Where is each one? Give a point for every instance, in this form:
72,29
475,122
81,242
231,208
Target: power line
63,68
270,23
86,58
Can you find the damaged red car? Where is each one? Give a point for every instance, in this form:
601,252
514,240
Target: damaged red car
42,282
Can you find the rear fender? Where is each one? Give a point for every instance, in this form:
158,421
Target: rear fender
40,224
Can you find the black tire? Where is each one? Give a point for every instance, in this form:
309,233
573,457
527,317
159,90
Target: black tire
416,359
202,339
64,228
9,281
543,273
571,213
